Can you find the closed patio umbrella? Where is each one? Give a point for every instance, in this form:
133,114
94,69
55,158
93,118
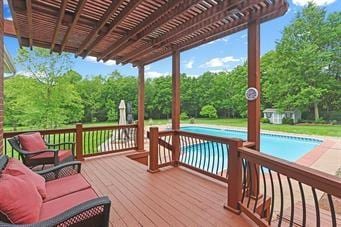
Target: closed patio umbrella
123,118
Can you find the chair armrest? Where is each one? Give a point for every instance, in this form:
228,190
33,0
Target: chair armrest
62,170
59,144
94,212
32,153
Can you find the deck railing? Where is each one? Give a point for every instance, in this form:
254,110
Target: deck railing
202,153
271,191
89,141
285,193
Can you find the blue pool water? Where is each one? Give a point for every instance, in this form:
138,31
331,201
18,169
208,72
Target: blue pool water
286,147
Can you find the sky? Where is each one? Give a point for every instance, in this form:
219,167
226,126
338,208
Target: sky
220,55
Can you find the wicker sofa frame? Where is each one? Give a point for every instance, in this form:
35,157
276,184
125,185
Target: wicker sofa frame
94,212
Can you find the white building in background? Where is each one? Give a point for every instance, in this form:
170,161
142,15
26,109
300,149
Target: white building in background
276,117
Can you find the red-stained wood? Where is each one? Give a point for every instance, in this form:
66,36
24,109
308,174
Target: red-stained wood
173,197
2,29
140,122
29,21
9,29
100,24
79,142
254,111
153,150
138,31
59,22
78,12
176,105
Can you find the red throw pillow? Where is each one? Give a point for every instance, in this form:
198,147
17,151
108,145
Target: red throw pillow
32,142
19,200
16,168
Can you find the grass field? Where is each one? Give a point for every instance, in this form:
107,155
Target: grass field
321,130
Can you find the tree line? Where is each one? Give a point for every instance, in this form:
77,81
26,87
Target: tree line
302,72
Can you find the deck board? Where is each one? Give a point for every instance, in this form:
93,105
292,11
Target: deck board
172,197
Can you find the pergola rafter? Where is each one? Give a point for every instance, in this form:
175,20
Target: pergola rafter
219,32
29,21
78,11
59,22
117,20
156,20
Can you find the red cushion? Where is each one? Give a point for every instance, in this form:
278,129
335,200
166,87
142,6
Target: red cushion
64,186
19,200
16,168
62,155
57,206
32,142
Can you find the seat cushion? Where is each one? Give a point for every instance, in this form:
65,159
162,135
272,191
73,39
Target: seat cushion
62,155
64,186
16,168
20,200
32,142
57,206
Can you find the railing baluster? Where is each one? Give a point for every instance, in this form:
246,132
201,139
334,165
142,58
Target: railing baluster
317,208
282,199
292,201
264,192
332,210
304,215
272,197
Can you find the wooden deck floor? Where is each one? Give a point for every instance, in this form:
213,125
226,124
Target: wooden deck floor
172,197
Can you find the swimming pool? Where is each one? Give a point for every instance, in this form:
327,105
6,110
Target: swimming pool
290,148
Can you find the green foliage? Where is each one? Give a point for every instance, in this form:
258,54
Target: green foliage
192,120
208,111
287,121
265,120
184,116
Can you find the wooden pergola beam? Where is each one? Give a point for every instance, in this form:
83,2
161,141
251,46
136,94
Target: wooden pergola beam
29,21
59,22
100,24
155,20
214,14
219,32
113,25
140,115
9,29
78,11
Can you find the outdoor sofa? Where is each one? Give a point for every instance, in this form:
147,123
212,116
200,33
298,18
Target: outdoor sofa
59,196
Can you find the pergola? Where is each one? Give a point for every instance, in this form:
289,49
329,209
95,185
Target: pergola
141,32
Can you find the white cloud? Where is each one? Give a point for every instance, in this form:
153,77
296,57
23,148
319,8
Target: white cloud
317,2
5,2
94,60
192,75
219,62
8,18
147,67
154,74
217,71
189,64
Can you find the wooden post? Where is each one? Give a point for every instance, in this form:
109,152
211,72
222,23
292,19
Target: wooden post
1,76
176,106
79,142
153,163
140,122
234,192
254,112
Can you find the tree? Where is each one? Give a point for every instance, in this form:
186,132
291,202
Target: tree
53,99
301,74
208,111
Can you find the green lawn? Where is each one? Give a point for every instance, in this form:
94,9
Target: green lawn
321,130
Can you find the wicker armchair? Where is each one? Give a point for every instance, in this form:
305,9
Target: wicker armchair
94,212
52,154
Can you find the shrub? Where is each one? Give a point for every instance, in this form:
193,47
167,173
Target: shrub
184,116
192,120
208,111
265,120
287,121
